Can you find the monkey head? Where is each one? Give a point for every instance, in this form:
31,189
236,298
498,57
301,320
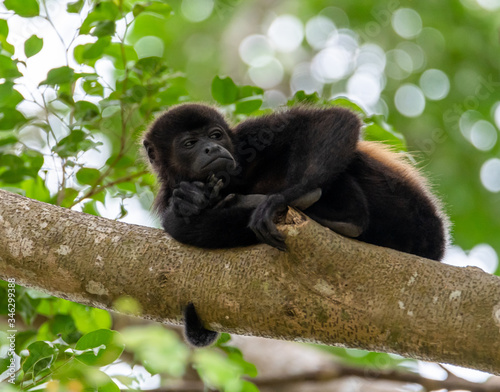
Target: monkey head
189,143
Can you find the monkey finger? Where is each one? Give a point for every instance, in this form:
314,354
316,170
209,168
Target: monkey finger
266,231
269,234
184,209
198,184
191,194
212,181
218,186
227,201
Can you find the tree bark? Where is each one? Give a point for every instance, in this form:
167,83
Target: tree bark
326,289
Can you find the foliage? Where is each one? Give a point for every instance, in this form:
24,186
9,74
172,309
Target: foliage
71,139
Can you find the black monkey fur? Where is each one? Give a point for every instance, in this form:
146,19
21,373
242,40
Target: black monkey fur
264,164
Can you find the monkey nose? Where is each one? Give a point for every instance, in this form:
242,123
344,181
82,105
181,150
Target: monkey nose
211,149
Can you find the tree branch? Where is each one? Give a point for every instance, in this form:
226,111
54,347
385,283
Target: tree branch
326,288
339,371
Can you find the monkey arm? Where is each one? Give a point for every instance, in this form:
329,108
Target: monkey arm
191,219
212,227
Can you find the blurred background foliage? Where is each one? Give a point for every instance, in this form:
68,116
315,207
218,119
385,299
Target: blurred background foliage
80,81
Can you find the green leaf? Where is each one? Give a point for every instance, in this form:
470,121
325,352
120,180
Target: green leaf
93,87
89,53
76,142
108,386
247,386
33,45
25,8
8,68
87,176
248,105
160,350
154,7
10,119
99,196
377,129
64,326
35,188
236,357
98,381
4,33
59,75
89,319
68,197
8,142
23,339
114,51
302,97
12,167
223,338
249,91
76,7
346,103
147,24
104,28
9,97
41,355
103,11
86,111
90,208
106,347
224,90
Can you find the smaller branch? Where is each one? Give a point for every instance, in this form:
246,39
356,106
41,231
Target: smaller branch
49,19
340,371
99,188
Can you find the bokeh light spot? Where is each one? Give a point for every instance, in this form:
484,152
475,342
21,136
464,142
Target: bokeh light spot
371,57
197,10
483,135
319,30
256,50
490,5
416,54
467,120
364,87
302,79
286,33
484,257
149,46
490,175
273,99
331,64
496,114
399,64
268,75
406,22
435,84
409,100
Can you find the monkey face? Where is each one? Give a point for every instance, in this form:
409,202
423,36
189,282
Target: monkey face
202,152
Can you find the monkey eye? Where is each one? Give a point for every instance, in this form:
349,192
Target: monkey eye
189,143
216,135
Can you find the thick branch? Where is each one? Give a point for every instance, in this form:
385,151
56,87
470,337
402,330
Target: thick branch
326,289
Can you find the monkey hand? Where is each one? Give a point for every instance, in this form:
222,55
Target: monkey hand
213,188
262,222
189,199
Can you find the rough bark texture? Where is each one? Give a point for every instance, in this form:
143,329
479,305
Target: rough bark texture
325,289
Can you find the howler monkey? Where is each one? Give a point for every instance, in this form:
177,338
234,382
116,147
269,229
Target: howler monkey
222,186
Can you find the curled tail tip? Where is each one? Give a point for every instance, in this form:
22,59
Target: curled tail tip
194,332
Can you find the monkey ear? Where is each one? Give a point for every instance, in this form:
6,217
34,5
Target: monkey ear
150,150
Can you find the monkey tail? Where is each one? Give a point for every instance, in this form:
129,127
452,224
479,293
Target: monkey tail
196,334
